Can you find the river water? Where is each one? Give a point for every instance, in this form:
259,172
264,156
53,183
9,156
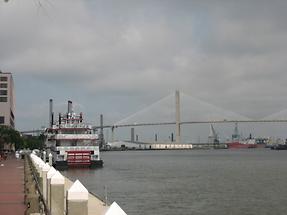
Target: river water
195,182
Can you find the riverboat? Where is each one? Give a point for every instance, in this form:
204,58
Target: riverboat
71,141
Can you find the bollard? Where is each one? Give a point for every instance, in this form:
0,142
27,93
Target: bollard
57,194
37,163
45,170
50,159
44,156
115,209
50,174
77,199
40,166
34,159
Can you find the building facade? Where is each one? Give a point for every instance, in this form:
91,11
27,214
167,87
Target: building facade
7,99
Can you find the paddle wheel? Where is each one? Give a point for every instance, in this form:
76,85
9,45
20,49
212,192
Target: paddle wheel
79,158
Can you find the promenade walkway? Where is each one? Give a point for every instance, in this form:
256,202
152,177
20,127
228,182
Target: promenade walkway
12,186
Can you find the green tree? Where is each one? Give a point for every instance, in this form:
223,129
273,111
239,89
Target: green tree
10,136
34,142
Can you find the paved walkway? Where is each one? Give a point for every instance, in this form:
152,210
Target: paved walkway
12,186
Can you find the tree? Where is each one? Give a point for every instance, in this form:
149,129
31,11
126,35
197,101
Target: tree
34,142
9,135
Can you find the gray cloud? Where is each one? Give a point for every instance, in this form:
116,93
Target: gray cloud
229,53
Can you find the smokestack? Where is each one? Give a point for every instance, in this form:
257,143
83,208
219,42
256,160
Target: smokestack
81,117
60,119
70,106
51,113
52,118
102,123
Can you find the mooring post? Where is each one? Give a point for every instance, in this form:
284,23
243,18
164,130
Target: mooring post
57,194
50,174
41,164
45,170
77,199
50,159
44,156
35,161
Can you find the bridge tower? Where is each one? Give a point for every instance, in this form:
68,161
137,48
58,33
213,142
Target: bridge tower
132,135
113,134
177,118
101,134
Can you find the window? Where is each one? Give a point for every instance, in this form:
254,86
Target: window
3,92
3,99
2,119
3,85
3,78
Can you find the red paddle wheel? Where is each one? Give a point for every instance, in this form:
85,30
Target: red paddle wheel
78,158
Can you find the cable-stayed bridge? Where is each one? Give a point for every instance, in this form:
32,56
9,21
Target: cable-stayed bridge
190,122
170,110
175,107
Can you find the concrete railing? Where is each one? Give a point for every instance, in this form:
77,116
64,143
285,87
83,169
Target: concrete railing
62,196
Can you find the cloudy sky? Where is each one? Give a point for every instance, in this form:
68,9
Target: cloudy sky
118,57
